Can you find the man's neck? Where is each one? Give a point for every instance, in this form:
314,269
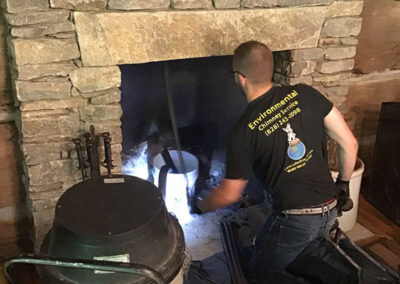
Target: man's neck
255,92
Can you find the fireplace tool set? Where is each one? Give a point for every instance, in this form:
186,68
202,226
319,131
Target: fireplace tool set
110,229
92,154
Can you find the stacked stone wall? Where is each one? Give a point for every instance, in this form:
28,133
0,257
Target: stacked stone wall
58,96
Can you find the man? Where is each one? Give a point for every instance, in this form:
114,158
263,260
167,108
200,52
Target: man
281,138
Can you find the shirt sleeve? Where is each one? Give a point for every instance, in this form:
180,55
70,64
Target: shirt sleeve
239,161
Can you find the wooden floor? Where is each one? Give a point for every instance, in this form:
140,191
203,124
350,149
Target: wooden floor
386,242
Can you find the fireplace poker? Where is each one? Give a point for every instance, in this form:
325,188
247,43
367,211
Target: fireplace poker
82,164
93,158
107,153
173,121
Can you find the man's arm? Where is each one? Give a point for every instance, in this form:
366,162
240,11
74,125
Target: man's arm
338,130
227,193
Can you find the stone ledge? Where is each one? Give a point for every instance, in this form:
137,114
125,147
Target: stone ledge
191,4
79,5
28,72
50,17
345,8
137,4
126,38
73,102
42,29
31,51
30,91
91,79
18,6
342,27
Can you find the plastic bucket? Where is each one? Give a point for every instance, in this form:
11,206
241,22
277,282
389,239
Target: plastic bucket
177,183
349,218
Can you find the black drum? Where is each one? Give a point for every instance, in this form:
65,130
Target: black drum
122,218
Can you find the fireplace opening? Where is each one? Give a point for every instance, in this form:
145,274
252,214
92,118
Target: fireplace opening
206,102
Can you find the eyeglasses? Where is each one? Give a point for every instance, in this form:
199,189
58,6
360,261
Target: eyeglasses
237,72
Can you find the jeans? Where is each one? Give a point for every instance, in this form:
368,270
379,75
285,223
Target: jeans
284,237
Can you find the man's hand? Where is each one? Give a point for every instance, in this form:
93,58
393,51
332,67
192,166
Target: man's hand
229,192
344,201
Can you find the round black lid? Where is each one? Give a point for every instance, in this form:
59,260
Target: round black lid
108,206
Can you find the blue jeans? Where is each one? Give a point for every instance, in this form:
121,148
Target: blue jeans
284,237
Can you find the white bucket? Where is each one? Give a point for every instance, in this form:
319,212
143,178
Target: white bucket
349,218
175,190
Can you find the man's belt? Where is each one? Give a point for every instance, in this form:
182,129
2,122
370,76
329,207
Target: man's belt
323,208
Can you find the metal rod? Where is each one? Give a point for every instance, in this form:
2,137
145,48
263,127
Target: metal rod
82,165
107,153
121,267
227,245
92,156
173,121
168,160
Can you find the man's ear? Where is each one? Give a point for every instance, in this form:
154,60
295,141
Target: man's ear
242,80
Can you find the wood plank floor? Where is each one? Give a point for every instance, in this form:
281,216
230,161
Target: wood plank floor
386,242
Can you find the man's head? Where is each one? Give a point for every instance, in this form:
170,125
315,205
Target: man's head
253,63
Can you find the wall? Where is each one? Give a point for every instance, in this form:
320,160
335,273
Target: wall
65,54
378,56
14,225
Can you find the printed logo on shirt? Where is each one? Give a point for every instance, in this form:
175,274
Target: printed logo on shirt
296,149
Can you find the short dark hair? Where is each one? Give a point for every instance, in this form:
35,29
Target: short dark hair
254,60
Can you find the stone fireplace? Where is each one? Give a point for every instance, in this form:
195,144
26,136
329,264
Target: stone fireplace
66,56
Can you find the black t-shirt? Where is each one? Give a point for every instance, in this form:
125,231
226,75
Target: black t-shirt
281,137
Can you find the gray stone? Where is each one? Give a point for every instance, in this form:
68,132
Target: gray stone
72,102
101,112
330,67
284,80
307,54
44,113
51,79
329,41
285,3
51,125
145,37
191,4
89,79
282,3
112,97
64,35
42,29
349,41
337,91
335,53
28,72
79,5
42,153
36,190
18,6
29,91
345,8
138,4
295,69
44,50
99,93
260,3
52,172
226,4
75,92
332,80
32,18
342,27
